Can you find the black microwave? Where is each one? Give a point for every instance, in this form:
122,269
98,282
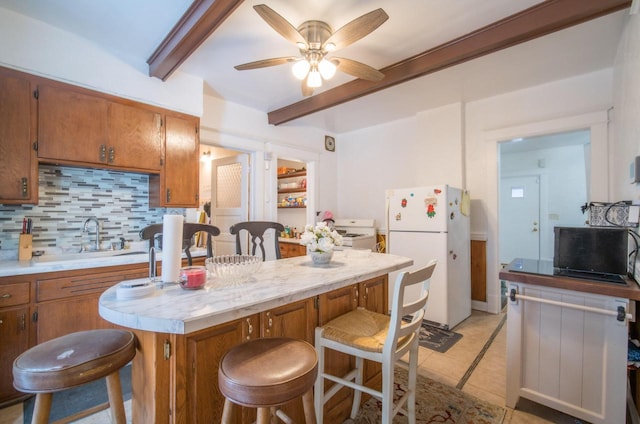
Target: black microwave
591,249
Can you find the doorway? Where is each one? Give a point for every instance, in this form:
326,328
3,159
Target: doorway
224,192
543,184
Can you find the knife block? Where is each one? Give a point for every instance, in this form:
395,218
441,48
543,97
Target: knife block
25,247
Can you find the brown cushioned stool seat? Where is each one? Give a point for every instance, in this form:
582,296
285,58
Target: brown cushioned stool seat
73,360
266,373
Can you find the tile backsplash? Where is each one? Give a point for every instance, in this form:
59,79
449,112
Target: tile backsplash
68,196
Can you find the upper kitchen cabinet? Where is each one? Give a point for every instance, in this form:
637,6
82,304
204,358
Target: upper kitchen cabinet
76,127
72,126
18,162
135,137
177,185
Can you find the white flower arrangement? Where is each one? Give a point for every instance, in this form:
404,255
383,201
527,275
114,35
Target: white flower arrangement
320,238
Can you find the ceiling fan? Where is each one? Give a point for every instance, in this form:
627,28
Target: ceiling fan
316,39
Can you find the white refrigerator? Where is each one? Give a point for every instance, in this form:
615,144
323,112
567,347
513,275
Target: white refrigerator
426,223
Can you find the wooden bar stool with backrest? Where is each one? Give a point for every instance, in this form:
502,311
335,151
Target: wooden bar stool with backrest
266,373
377,337
73,360
256,230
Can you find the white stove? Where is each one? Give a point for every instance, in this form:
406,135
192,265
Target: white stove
357,233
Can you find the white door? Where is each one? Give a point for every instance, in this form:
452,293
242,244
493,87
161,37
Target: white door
229,198
519,218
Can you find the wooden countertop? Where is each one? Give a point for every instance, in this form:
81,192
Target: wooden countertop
630,290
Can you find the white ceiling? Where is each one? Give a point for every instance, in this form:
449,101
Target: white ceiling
131,31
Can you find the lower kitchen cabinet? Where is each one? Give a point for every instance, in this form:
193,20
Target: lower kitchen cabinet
202,352
290,250
204,349
565,357
70,303
15,333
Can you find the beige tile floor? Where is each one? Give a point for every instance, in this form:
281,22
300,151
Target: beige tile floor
486,381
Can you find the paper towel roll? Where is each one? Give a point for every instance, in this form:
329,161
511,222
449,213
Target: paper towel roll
171,247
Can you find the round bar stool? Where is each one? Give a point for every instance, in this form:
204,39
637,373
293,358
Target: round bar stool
73,360
266,373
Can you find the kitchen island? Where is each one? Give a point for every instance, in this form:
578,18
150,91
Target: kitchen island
183,334
567,341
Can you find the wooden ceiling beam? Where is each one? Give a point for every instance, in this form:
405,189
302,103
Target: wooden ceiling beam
539,20
198,23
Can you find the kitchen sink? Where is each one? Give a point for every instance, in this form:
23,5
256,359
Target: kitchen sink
64,257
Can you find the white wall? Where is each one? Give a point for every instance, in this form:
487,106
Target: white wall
428,148
241,128
425,149
626,112
37,48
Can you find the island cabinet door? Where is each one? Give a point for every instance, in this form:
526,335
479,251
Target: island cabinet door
332,305
196,370
373,295
297,320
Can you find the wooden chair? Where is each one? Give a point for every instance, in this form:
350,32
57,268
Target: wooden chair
256,231
73,360
376,337
189,229
266,373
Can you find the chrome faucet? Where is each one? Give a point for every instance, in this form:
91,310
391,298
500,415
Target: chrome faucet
85,230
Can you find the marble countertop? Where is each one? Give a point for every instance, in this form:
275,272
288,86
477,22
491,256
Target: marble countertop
171,309
67,262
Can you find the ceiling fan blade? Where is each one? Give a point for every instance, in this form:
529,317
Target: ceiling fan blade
306,90
265,62
357,29
357,69
280,24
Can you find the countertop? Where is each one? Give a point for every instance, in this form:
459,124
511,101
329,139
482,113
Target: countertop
289,240
174,310
531,271
69,262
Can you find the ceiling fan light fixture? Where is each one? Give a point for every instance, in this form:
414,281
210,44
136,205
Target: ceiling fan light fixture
314,80
327,69
300,69
329,47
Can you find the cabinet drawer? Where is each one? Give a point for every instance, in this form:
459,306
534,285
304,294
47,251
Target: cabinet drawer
80,285
14,294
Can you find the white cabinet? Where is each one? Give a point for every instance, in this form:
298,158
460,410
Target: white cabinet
572,359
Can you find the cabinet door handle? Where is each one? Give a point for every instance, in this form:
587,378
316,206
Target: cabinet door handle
103,152
112,154
168,195
249,329
25,186
5,296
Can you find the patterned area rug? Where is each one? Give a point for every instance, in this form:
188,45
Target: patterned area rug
435,403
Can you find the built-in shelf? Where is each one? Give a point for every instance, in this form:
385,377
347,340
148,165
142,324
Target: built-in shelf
296,174
292,190
293,174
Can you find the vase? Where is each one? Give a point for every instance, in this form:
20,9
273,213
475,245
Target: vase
321,258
